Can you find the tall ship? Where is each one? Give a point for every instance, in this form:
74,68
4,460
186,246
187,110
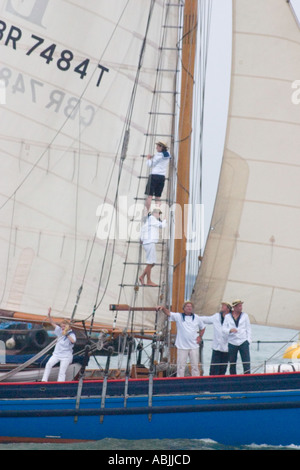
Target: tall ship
87,91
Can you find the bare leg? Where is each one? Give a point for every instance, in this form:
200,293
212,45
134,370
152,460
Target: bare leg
141,278
147,273
157,201
148,203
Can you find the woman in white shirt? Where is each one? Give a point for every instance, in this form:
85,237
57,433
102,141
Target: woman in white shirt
237,329
63,351
219,358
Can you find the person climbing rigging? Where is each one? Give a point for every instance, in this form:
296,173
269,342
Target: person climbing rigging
158,164
149,238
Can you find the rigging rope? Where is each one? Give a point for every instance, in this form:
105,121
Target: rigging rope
29,362
125,143
50,144
59,131
9,250
150,131
75,218
123,154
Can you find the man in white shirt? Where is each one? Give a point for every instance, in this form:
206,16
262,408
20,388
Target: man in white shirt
219,358
187,339
158,164
237,330
149,238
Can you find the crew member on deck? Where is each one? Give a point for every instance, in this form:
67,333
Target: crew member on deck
237,330
63,351
219,358
188,338
158,164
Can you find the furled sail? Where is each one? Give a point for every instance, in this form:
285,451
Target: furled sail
253,249
86,90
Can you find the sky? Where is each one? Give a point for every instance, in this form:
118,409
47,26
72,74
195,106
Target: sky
217,97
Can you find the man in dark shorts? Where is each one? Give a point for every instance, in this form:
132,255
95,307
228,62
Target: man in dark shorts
158,164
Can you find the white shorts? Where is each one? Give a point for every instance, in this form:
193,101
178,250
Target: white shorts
150,251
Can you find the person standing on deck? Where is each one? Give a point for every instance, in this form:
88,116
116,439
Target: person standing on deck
63,351
219,358
149,239
188,338
237,330
158,164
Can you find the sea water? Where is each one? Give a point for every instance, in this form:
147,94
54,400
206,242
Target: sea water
147,446
268,344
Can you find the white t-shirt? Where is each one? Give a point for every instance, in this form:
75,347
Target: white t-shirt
187,330
159,163
220,342
64,347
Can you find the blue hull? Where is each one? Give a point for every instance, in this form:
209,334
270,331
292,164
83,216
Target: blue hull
242,417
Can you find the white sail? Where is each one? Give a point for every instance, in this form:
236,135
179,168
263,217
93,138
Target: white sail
68,72
253,249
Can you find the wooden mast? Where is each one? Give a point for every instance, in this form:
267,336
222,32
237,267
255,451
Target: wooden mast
183,167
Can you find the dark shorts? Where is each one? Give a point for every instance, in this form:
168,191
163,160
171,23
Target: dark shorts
155,185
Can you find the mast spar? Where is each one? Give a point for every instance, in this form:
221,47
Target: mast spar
183,166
